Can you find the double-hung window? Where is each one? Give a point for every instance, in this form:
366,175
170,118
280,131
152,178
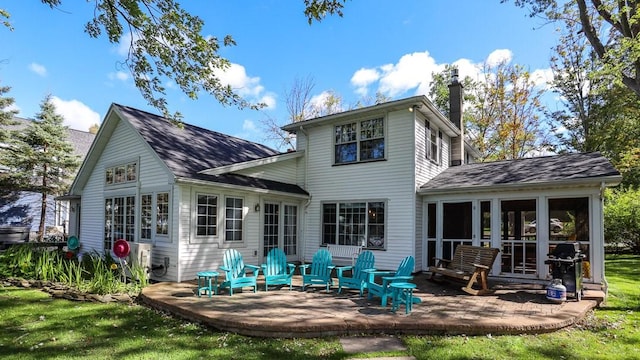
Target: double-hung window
207,215
234,210
154,209
433,143
359,141
354,223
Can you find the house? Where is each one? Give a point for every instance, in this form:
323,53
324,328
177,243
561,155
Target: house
23,209
396,178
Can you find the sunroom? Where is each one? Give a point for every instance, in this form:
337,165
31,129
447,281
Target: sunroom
522,212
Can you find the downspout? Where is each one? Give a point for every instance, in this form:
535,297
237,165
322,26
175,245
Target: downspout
306,186
605,284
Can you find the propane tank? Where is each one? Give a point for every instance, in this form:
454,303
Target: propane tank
557,292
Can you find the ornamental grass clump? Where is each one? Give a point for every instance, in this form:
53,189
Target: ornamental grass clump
91,272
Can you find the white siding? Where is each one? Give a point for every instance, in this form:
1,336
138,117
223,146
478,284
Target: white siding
392,180
283,171
197,254
124,145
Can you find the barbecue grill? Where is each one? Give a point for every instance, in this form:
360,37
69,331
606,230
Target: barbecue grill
566,265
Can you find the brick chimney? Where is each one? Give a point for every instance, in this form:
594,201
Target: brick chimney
455,116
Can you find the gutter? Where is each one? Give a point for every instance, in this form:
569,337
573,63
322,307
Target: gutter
606,181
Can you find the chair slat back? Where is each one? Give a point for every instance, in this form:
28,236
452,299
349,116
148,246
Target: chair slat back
276,262
320,263
406,266
233,260
366,260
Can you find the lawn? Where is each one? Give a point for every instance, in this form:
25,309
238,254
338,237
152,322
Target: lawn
34,326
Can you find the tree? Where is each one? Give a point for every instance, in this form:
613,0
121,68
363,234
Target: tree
166,41
43,161
618,48
502,111
6,120
591,120
6,114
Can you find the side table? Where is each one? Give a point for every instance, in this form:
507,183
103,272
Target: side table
402,293
204,282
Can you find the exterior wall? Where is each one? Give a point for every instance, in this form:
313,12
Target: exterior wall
284,171
391,180
124,146
542,197
196,253
424,171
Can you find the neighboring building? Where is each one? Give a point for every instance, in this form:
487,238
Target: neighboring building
394,177
23,208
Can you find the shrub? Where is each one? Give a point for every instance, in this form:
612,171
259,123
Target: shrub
622,218
93,272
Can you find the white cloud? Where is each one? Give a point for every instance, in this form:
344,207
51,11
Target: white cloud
499,56
542,78
362,78
76,114
38,69
125,43
119,75
412,71
244,85
268,99
12,107
249,125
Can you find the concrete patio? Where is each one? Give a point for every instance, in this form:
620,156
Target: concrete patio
445,309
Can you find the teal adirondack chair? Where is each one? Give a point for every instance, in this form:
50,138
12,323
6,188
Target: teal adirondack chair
276,270
236,272
320,270
358,279
382,288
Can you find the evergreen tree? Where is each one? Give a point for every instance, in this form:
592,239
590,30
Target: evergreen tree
6,120
43,160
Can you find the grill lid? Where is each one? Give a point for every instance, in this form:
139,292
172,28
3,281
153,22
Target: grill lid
566,250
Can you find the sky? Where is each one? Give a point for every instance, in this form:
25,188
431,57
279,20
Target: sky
384,46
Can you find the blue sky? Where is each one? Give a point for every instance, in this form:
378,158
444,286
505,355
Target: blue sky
387,46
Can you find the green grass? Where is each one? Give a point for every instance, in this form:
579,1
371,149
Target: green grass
35,326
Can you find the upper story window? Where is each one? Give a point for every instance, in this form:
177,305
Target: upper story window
121,173
433,143
359,141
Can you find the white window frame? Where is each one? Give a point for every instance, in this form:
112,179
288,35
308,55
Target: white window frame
366,224
433,138
359,138
216,226
153,216
242,230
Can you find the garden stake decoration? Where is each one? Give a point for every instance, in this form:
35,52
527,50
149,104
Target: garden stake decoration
121,250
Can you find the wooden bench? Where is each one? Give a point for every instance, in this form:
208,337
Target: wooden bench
344,252
470,264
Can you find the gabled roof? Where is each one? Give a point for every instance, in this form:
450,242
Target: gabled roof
562,169
189,149
418,103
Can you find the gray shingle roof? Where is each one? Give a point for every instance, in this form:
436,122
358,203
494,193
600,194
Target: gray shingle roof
81,140
188,150
527,171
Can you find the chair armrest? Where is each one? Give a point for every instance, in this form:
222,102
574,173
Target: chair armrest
291,268
481,266
373,273
303,268
341,269
224,268
391,279
253,268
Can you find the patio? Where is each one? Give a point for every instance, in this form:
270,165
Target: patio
445,309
